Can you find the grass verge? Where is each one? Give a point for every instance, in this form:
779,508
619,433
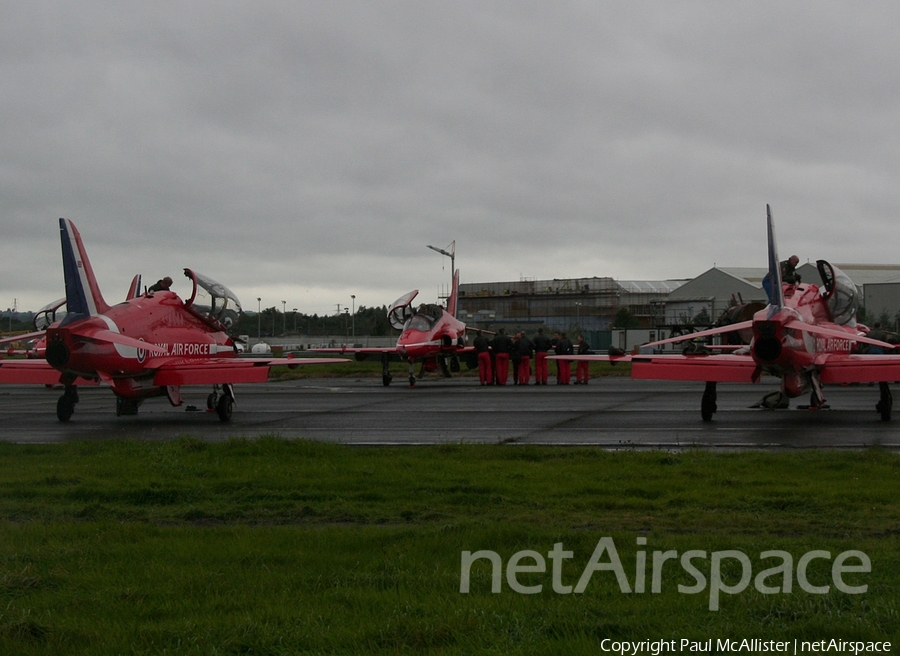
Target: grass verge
272,546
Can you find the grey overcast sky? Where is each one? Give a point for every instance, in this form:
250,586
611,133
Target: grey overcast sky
305,151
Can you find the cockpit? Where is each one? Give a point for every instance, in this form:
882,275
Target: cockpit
841,294
212,301
49,314
425,317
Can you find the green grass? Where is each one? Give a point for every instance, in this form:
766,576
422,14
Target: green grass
272,546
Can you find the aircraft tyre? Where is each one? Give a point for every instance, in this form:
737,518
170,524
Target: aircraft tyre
708,402
126,406
225,407
65,406
386,379
885,403
412,380
211,401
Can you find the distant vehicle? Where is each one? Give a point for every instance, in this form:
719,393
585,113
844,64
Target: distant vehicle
807,336
150,345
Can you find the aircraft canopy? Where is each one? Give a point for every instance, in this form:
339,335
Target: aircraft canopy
425,317
213,301
400,312
49,314
841,294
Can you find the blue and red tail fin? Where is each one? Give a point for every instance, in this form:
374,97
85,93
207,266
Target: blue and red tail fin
772,281
454,295
134,289
83,297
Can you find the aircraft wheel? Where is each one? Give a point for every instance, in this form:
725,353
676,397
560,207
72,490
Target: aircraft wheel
708,403
412,380
224,408
885,404
386,379
211,401
65,408
126,406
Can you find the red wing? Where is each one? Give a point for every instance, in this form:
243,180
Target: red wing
363,354
22,338
221,371
596,357
708,368
730,328
840,368
32,372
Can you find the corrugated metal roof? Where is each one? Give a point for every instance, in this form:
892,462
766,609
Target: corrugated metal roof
650,286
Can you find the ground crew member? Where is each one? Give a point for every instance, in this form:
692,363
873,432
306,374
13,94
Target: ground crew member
526,350
582,369
542,345
483,351
161,285
564,347
501,345
515,358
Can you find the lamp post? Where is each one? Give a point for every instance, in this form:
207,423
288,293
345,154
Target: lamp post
258,319
451,254
295,320
353,315
283,317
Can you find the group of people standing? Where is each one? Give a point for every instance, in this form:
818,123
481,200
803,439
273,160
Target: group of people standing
502,353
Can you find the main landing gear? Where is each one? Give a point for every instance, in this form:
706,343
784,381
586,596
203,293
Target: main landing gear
708,402
885,403
65,406
222,402
386,377
127,406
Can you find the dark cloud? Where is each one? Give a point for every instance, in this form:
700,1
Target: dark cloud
310,150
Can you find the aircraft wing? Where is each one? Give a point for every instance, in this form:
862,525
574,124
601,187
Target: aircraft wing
718,367
838,368
27,337
364,354
32,372
221,371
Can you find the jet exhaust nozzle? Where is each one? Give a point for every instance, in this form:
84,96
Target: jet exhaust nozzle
767,349
57,354
767,345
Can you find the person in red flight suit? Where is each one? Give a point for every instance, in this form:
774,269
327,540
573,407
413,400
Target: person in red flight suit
483,351
526,350
564,347
501,345
582,369
542,345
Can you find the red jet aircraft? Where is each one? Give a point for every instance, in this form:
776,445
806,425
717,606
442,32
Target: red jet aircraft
46,317
807,335
430,335
149,345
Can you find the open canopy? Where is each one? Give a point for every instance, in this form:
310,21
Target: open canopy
212,301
